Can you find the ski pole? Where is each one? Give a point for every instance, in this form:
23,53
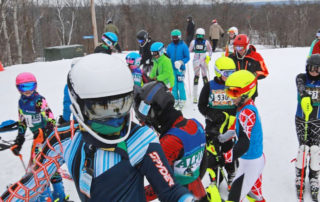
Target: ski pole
189,86
307,113
24,165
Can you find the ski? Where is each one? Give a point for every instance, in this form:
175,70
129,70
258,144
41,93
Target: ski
8,125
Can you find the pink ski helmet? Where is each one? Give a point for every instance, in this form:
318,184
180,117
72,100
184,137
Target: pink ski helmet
25,77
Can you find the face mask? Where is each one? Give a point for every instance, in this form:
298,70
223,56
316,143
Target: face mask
108,127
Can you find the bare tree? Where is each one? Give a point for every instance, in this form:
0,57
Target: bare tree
94,23
4,5
16,30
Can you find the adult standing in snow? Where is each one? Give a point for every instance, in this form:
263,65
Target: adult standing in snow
182,140
109,40
179,54
315,46
190,30
107,154
110,27
246,57
219,112
144,41
35,114
200,46
232,33
248,148
307,126
215,32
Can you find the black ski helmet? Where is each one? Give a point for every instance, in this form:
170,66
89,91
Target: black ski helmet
313,60
142,37
151,101
189,18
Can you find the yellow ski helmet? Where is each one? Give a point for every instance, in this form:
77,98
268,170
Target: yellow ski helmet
241,84
224,66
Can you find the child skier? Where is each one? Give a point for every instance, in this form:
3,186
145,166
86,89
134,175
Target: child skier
219,111
200,46
133,60
232,33
109,41
307,126
240,87
182,140
35,113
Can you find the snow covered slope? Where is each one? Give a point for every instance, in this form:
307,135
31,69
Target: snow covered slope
276,103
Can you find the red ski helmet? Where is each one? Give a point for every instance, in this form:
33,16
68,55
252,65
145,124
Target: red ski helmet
241,40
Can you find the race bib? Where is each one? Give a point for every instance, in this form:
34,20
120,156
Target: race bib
219,97
199,47
180,78
32,120
314,93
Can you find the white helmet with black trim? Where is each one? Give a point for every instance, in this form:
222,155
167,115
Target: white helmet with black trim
101,92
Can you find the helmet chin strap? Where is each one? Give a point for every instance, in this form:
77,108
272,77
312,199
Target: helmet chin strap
95,135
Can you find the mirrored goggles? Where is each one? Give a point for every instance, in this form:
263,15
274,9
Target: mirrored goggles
224,73
107,41
235,92
108,107
140,41
131,61
313,68
30,86
239,48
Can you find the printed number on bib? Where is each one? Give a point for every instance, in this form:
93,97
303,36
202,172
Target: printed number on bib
314,93
31,120
219,97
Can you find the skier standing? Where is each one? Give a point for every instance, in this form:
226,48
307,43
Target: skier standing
246,58
109,41
200,46
307,126
179,54
182,140
248,148
232,33
35,114
107,155
215,32
145,42
219,112
190,30
133,60
162,68
315,46
110,27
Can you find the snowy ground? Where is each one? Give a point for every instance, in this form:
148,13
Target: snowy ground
276,103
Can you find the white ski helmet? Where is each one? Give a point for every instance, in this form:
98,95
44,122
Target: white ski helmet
233,30
200,31
100,88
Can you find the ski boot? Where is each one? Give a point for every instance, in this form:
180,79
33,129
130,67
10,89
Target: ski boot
176,104
252,199
195,100
298,183
181,104
212,190
58,192
230,179
195,94
314,184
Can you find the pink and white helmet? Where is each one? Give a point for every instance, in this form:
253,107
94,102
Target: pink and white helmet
25,77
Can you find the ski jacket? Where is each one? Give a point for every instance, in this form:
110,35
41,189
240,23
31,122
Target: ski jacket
213,101
200,46
117,173
308,87
66,104
177,52
229,47
112,28
215,31
184,145
103,49
249,132
137,76
315,47
34,113
162,70
190,29
146,57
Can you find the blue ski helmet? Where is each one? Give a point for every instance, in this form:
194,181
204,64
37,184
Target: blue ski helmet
109,39
133,59
157,48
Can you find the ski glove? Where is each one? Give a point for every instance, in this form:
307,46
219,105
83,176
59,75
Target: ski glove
16,149
208,58
306,105
227,136
178,65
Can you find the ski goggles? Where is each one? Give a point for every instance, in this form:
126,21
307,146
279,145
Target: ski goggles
154,53
131,61
175,38
108,107
313,68
235,92
107,41
24,87
140,41
239,48
225,73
